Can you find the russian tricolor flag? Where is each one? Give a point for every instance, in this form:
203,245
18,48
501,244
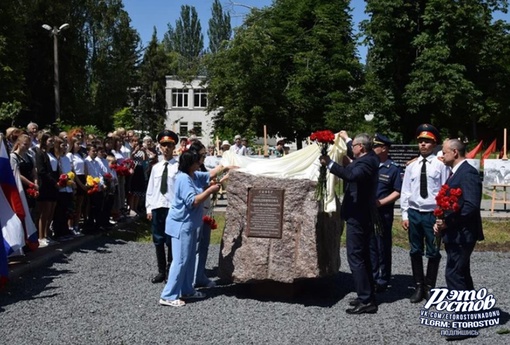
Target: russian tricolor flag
4,266
11,206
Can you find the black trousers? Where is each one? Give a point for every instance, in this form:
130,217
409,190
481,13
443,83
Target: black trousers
358,256
458,266
63,211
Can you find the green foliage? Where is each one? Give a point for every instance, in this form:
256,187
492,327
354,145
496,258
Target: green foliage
124,118
9,111
150,112
437,61
220,30
289,67
187,41
97,59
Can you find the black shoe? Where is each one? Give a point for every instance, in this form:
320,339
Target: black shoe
418,294
378,288
354,302
159,278
361,308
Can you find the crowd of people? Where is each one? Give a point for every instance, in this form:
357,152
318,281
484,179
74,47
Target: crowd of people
76,182
73,182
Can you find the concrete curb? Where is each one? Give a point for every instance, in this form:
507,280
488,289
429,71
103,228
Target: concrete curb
20,265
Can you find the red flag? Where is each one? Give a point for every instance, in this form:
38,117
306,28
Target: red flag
472,154
488,151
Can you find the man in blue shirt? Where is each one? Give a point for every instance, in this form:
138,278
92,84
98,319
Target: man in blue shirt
388,191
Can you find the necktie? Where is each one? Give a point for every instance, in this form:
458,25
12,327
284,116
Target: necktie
164,180
423,179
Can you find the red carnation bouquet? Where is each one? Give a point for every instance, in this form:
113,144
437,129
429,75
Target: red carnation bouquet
62,180
125,168
323,139
209,220
32,192
447,201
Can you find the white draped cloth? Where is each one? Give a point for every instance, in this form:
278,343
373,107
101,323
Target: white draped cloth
300,164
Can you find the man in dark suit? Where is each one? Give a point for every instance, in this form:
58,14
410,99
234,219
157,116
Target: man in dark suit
460,230
358,210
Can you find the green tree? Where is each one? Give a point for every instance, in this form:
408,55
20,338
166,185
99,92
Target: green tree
150,112
290,67
12,58
428,63
220,30
187,41
113,51
97,59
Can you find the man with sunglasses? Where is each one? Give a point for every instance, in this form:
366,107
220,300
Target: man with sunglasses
358,208
158,199
423,179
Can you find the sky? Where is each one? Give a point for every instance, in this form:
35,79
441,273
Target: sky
147,14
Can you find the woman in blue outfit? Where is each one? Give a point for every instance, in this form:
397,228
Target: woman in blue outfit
192,187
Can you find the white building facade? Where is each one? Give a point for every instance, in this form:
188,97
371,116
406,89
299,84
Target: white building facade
186,109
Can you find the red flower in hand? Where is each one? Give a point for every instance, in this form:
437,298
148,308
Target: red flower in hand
62,180
210,221
447,200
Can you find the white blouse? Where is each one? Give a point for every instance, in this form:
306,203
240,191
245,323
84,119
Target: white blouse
78,163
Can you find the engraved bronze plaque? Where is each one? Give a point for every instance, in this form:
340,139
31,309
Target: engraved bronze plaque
265,212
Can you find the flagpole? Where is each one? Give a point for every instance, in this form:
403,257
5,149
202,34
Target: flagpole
504,145
266,153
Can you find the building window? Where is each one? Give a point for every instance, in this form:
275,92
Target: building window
200,98
197,128
180,98
183,129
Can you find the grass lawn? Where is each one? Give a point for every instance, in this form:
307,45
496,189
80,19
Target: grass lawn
497,234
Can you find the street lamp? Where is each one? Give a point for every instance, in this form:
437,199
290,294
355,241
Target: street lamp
54,31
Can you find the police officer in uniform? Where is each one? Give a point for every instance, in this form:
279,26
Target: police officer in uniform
159,196
422,181
388,191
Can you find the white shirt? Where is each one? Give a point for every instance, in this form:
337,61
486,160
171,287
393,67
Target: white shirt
437,174
153,198
118,156
77,162
126,152
238,150
65,167
94,167
53,161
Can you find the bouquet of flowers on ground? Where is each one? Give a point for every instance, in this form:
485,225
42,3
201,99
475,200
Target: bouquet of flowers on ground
94,184
323,139
447,201
32,192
